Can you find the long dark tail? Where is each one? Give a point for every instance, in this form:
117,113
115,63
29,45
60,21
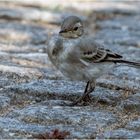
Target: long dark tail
131,63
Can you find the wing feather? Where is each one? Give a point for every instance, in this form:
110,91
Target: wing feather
99,54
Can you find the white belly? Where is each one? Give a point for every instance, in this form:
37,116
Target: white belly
93,71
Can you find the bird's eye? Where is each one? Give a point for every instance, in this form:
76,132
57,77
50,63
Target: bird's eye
75,28
54,52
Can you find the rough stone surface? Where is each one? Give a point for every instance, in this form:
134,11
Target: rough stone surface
122,133
34,96
132,103
134,125
4,102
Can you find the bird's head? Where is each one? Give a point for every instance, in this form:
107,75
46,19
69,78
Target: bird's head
72,27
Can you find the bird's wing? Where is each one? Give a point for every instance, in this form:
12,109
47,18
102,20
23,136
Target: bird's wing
96,53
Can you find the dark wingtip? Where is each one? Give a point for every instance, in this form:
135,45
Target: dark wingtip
118,56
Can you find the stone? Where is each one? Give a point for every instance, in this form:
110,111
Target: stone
61,89
132,103
33,14
35,96
134,125
121,134
4,102
18,129
107,97
4,134
23,33
86,122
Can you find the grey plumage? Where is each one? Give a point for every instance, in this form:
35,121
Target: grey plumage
79,57
69,22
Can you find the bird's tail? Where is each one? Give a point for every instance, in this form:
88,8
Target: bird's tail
130,63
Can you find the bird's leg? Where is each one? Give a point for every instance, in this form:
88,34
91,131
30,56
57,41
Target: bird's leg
85,97
89,88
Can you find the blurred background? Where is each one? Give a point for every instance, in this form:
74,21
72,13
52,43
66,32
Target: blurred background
25,27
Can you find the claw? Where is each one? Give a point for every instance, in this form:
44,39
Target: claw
84,100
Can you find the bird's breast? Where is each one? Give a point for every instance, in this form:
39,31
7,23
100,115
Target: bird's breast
68,48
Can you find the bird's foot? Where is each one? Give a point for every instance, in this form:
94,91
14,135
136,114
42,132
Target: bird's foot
84,100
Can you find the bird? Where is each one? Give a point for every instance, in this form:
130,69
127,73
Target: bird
79,57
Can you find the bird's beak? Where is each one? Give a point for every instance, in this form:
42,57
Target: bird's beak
62,31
